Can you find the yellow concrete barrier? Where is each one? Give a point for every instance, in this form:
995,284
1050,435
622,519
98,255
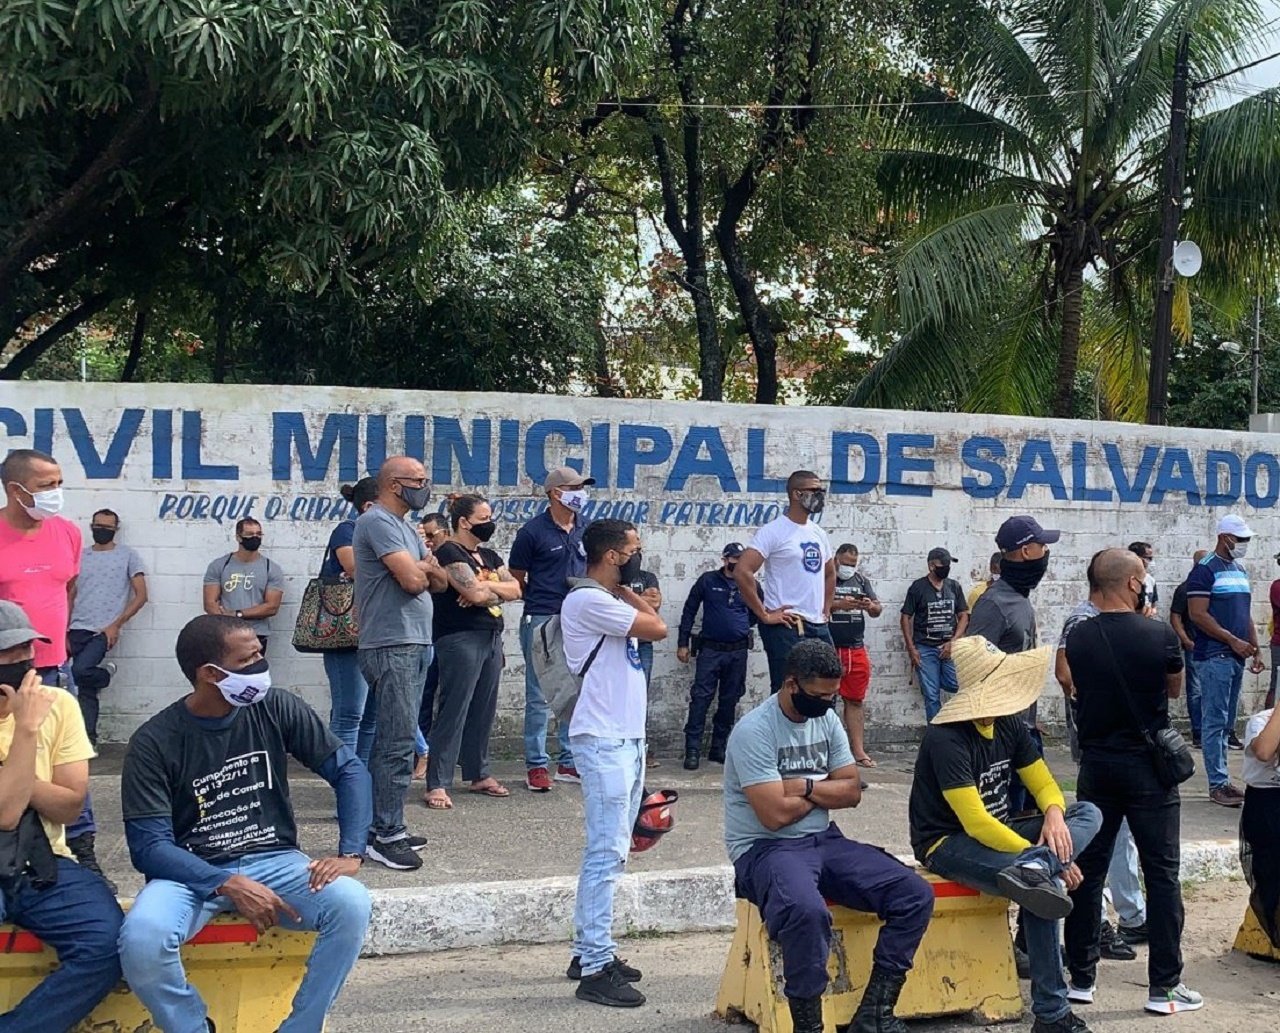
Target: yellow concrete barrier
247,979
964,964
1253,940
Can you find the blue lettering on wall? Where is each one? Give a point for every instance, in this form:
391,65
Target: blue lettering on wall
1080,490
193,468
983,455
631,455
162,444
1130,490
449,443
691,463
509,453
899,464
1037,465
600,453
96,466
289,435
842,482
536,462
1259,462
1215,493
1176,474
757,449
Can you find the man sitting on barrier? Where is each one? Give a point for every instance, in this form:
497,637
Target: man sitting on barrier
205,795
44,775
788,763
959,810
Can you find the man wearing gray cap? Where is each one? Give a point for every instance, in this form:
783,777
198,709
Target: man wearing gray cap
44,777
547,552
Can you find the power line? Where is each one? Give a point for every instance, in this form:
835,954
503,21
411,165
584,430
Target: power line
1236,70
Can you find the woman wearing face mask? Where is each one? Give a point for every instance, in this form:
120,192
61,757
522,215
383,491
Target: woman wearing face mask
467,631
349,718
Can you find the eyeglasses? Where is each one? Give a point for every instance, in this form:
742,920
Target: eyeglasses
412,482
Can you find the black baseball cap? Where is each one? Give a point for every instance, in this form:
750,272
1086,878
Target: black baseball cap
1018,531
939,555
733,550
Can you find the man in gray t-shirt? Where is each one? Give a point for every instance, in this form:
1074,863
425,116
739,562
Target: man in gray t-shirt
245,583
111,588
787,765
394,579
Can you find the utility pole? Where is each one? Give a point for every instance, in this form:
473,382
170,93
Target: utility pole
1175,168
1257,350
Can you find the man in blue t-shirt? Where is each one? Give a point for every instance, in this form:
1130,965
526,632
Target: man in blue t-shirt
1219,606
788,765
546,553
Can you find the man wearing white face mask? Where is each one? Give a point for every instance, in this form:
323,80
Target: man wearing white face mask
546,553
1219,606
208,820
39,564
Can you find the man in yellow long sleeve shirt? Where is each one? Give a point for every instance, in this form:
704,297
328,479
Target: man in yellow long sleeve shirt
960,823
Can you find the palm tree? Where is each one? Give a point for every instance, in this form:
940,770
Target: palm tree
1023,183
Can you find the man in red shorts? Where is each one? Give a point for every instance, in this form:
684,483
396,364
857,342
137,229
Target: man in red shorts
854,602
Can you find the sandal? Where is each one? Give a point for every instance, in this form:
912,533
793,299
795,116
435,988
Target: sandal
492,788
865,762
437,803
420,767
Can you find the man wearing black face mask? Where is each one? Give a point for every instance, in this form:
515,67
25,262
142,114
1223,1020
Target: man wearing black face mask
787,767
245,583
205,796
800,574
111,589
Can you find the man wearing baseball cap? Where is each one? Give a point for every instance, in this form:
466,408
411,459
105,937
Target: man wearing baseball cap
1219,605
44,777
962,825
722,651
546,553
934,613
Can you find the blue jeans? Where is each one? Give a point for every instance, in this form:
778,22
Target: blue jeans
1192,670
778,641
61,677
79,918
934,674
395,675
1123,884
167,914
966,861
612,772
350,719
1220,679
537,715
646,662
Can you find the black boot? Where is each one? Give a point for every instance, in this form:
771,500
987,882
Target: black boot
806,1014
875,1013
82,849
691,759
715,753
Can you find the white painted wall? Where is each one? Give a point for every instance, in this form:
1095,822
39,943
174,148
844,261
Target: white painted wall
925,492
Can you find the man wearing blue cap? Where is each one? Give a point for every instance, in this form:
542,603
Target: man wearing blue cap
721,655
1219,607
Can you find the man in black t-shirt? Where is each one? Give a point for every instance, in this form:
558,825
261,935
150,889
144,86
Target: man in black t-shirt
962,827
934,613
205,795
855,600
1180,619
1125,669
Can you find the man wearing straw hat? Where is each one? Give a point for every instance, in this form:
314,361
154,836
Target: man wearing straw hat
961,827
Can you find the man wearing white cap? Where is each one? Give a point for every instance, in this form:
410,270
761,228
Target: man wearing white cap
546,553
1219,607
961,825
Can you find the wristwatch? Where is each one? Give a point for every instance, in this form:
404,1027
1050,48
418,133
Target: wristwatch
808,788
355,857
240,614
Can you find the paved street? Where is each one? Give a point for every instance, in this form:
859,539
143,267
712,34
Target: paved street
523,990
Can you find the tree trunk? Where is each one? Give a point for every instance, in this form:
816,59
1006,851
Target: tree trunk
754,312
222,333
1069,344
31,352
135,345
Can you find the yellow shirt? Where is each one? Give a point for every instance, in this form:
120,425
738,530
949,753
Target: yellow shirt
975,593
61,740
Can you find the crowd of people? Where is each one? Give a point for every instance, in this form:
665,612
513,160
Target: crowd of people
204,789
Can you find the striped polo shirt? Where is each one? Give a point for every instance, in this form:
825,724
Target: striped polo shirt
1226,585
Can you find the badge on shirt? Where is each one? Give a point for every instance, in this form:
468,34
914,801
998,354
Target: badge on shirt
811,554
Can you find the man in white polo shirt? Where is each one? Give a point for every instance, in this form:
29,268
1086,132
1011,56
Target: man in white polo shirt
800,575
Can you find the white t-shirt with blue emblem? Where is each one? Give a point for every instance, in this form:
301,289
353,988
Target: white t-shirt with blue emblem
613,700
796,557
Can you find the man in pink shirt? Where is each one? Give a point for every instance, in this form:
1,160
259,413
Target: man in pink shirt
39,563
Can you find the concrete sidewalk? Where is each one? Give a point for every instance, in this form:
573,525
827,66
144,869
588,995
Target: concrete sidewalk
501,871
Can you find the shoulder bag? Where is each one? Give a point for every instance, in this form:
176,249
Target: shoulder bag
1170,755
326,616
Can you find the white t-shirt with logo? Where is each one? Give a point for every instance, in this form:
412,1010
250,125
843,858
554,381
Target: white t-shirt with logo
1256,773
796,558
613,701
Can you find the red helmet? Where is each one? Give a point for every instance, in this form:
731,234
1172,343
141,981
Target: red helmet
657,815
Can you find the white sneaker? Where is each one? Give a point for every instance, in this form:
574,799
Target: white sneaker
1079,994
1177,999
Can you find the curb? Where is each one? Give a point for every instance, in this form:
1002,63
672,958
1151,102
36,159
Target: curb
487,914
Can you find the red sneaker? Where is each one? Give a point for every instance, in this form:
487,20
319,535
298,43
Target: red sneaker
537,780
568,774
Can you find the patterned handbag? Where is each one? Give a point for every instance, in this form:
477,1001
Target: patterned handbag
326,618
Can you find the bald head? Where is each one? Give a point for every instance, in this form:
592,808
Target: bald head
1199,555
1113,568
400,468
